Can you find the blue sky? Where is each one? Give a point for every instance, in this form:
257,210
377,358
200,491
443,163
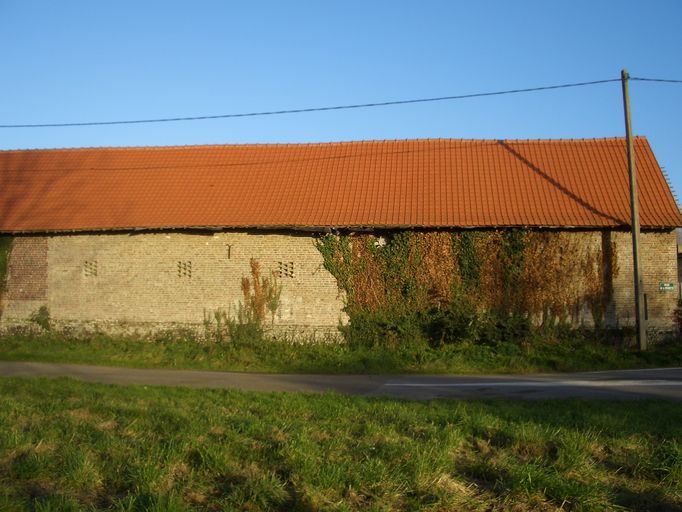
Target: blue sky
71,61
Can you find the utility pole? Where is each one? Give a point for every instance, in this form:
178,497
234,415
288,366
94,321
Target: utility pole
634,211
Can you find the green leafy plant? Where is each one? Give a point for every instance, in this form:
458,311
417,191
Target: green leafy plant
459,321
41,317
262,295
677,318
383,329
5,249
245,328
216,325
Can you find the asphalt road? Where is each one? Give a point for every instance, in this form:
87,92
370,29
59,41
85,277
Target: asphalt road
623,384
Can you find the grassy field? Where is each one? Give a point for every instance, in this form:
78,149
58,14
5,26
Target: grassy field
571,354
66,445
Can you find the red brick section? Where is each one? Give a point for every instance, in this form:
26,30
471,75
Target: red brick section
27,269
430,183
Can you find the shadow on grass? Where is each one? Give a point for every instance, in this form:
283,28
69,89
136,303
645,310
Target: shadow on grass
651,500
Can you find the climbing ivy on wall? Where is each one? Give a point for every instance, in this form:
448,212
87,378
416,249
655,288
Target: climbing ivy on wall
447,285
468,260
5,248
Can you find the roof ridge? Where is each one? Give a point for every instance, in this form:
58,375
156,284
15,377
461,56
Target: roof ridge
244,144
320,143
577,139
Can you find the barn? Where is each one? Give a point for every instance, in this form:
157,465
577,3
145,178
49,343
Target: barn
145,236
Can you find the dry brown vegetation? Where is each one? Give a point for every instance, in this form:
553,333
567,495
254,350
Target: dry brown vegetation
551,276
261,293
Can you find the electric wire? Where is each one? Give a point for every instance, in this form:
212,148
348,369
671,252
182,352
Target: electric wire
639,79
306,110
332,108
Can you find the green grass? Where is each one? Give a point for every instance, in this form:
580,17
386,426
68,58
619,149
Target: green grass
573,354
67,445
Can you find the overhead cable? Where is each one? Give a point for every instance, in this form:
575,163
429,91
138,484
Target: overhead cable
324,109
306,110
639,79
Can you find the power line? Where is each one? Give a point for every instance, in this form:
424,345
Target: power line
338,107
656,80
306,110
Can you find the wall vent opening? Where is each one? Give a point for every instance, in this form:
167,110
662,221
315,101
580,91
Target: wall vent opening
185,269
90,268
285,269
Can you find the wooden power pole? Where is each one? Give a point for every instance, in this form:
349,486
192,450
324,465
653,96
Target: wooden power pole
634,211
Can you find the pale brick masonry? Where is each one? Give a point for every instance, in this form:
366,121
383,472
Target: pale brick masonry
167,277
177,278
659,269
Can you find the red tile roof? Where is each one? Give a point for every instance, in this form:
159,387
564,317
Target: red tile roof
430,183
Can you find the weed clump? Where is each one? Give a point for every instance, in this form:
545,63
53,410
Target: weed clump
244,326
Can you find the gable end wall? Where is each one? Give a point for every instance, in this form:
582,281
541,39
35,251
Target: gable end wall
659,265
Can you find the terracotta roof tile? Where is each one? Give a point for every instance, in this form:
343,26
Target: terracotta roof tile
429,183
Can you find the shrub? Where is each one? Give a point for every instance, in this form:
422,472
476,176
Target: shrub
383,328
245,329
42,318
677,318
460,321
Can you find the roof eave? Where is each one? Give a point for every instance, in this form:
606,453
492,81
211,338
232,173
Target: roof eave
327,228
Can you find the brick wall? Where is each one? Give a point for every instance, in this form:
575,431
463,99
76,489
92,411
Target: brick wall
176,277
659,265
27,273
